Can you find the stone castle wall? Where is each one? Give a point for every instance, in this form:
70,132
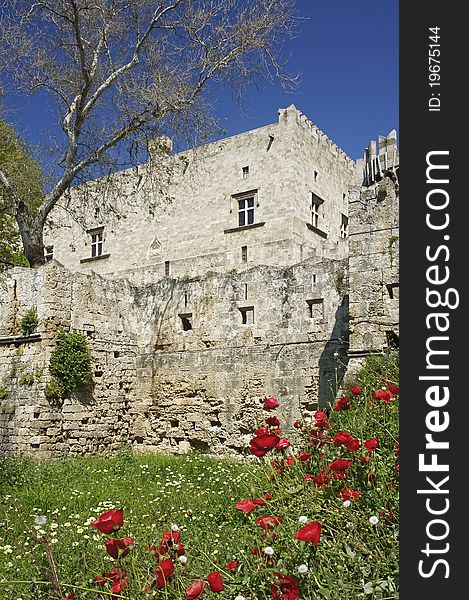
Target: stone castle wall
188,332
194,224
156,385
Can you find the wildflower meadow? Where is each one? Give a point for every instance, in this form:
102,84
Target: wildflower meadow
310,512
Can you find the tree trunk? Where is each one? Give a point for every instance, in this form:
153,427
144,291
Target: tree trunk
33,244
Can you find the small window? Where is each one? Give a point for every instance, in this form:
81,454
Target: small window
246,211
315,309
167,269
186,321
316,203
245,291
314,279
315,175
343,226
393,291
49,253
245,172
247,315
244,253
97,240
186,299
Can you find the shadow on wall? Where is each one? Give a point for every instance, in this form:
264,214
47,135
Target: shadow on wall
334,359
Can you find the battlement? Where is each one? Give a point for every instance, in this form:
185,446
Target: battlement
385,161
290,113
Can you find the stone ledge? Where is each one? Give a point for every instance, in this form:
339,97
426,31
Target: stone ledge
244,227
19,339
93,258
316,230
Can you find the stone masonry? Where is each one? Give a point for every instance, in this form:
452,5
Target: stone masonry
192,316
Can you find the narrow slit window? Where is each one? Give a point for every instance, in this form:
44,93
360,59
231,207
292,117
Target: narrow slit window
314,279
49,253
245,172
186,299
245,291
167,269
343,226
244,254
315,175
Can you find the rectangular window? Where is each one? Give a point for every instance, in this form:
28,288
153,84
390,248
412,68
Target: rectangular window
244,253
49,253
343,226
166,268
246,211
97,240
247,315
186,321
315,309
316,203
245,172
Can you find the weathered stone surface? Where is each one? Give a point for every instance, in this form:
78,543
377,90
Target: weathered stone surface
184,359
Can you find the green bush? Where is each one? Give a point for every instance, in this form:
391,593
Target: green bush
70,363
29,321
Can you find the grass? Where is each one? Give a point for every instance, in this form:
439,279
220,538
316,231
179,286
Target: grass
355,558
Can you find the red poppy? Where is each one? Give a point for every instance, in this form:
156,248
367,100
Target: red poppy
365,459
340,465
163,572
342,438
270,403
113,547
267,496
371,444
109,521
322,479
262,431
215,582
268,522
304,456
261,444
289,460
297,425
195,590
286,588
309,533
347,494
231,566
321,419
356,390
117,578
383,395
70,596
394,389
342,404
245,506
282,444
272,421
316,437
259,502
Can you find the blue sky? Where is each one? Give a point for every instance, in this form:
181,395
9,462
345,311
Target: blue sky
347,54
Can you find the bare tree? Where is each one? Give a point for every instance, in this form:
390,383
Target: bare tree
122,71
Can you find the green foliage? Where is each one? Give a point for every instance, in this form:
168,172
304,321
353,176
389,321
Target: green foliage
54,392
25,176
28,378
29,321
3,392
356,557
70,363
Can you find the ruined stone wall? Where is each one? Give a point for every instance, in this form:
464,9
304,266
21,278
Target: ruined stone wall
374,269
158,383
